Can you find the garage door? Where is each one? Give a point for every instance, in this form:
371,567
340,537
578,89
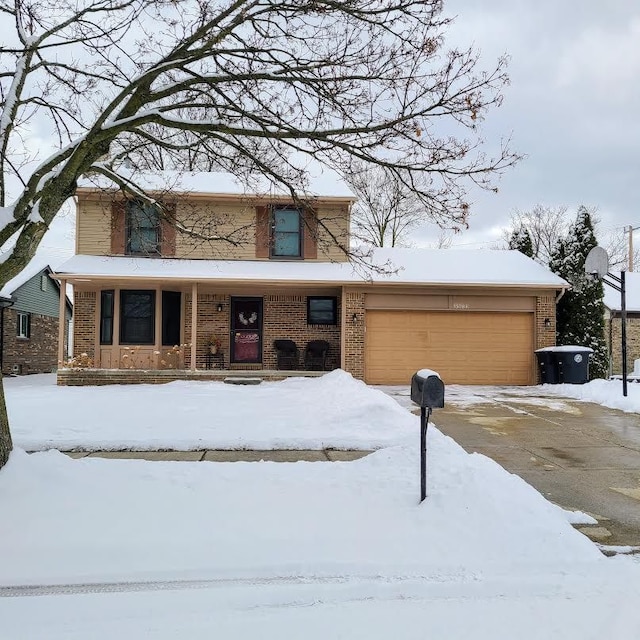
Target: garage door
465,348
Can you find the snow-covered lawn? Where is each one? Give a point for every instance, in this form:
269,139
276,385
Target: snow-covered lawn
314,550
334,411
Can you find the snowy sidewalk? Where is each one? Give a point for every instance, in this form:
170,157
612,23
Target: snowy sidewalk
229,455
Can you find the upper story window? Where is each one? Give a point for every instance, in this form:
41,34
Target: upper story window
23,325
286,229
143,228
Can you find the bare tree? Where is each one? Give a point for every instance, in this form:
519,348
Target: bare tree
262,86
617,245
545,225
386,209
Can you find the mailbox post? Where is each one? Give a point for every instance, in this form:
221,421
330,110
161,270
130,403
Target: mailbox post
427,391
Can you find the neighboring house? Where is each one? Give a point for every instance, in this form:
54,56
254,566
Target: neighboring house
150,294
613,322
29,312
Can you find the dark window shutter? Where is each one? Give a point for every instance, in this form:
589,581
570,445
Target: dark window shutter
263,232
168,231
310,235
118,228
28,325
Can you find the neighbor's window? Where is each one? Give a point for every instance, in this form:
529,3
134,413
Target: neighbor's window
322,310
137,317
44,282
106,317
24,325
143,228
286,241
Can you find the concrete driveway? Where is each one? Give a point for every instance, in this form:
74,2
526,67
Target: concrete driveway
579,455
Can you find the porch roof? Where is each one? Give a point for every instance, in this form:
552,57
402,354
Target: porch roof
409,267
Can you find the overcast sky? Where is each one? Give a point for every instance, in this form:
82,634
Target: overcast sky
573,106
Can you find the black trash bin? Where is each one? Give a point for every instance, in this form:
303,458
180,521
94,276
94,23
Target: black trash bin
548,365
573,364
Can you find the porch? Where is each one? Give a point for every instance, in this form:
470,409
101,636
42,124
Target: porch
99,377
140,331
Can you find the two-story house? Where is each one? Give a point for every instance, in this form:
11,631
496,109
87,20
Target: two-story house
156,287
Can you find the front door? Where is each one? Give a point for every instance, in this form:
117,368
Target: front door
246,330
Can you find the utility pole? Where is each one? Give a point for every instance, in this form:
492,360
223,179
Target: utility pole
630,229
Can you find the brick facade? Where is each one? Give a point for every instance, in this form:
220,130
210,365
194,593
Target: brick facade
284,316
36,354
84,324
613,328
545,332
354,334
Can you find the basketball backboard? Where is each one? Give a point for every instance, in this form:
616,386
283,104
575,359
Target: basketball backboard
597,262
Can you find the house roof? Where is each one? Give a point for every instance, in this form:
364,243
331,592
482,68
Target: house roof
322,183
412,266
56,247
632,293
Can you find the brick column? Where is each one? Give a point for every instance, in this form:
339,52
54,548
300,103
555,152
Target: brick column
84,323
545,335
354,333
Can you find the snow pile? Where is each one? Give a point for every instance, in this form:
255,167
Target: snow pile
101,520
197,549
333,411
608,393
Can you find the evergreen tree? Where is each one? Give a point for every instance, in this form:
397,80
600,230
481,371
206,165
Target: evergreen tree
520,240
580,312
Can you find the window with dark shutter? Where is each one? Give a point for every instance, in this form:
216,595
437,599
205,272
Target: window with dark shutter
143,228
286,241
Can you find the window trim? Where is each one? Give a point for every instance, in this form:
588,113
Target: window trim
26,335
334,310
152,294
128,229
272,236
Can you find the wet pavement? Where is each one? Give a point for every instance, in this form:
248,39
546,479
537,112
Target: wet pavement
579,455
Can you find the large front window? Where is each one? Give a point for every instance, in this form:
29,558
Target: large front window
143,228
286,240
137,317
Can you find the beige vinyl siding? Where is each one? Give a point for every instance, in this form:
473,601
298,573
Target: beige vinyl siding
233,219
93,228
336,221
238,221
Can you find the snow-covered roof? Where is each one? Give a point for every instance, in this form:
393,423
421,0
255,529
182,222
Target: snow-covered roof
322,182
56,247
412,266
632,293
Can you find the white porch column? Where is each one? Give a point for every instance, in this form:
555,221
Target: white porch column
194,324
62,317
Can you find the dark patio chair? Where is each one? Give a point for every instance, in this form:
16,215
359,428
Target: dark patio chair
287,354
315,355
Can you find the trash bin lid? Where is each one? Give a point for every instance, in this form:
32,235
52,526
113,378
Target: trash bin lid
571,348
